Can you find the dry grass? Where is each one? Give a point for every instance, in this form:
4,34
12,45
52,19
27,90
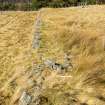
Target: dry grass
76,31
80,33
16,55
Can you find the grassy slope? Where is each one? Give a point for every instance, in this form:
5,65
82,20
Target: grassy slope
80,33
16,32
76,31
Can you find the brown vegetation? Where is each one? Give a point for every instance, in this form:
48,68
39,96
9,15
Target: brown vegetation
79,32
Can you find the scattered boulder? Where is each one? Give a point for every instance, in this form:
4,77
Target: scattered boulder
37,34
25,99
53,65
57,66
49,63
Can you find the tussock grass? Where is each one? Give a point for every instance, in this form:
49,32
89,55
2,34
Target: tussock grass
16,55
78,32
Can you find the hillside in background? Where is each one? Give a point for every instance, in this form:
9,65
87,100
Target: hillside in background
29,5
66,66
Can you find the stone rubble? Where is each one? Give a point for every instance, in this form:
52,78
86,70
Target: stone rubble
56,66
37,70
25,99
37,34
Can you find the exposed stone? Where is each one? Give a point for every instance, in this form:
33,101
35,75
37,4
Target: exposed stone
53,65
25,99
36,45
57,66
37,34
49,63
